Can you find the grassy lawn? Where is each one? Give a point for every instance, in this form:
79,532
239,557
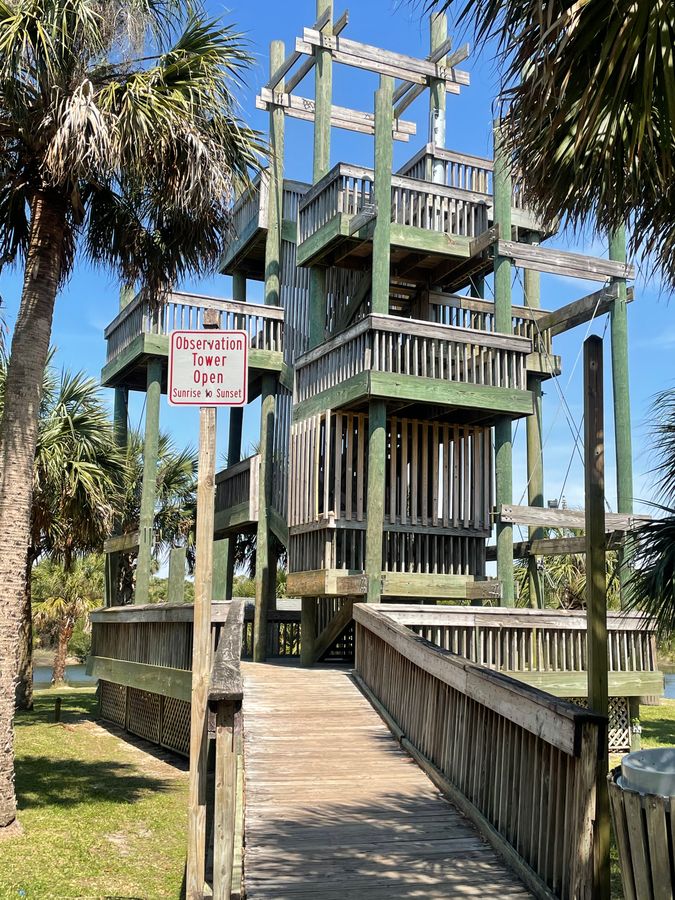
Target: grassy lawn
101,817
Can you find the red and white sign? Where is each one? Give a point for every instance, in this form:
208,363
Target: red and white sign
208,368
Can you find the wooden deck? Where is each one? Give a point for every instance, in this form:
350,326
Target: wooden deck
335,810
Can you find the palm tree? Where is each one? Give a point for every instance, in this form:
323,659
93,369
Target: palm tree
65,595
78,478
588,91
652,586
564,578
175,510
120,138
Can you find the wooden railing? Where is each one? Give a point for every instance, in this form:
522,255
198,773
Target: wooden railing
459,311
251,204
521,764
226,692
264,325
412,347
349,190
239,484
460,170
528,640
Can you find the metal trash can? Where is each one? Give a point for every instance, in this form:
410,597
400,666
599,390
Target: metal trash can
641,792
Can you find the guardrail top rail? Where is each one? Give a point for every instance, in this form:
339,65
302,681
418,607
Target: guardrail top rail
349,190
413,347
520,763
532,640
182,311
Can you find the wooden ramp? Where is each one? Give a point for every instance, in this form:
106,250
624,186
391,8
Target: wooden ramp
335,810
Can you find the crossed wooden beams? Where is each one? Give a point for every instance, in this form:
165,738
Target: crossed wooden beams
414,75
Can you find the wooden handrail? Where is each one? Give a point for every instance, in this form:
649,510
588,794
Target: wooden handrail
519,763
516,618
201,301
520,703
225,682
236,469
417,327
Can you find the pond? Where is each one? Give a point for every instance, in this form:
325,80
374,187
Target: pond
76,676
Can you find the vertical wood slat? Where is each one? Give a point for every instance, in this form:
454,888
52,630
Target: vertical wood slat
512,776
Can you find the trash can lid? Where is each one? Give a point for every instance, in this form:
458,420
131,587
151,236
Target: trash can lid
650,771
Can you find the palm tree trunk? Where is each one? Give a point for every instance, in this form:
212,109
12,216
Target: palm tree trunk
18,437
24,682
61,655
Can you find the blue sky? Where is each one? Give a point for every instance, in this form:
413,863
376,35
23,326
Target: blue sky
90,300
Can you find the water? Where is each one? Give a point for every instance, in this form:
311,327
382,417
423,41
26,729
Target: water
76,676
670,686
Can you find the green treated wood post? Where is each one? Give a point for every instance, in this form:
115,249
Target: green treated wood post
384,149
535,450
438,26
323,94
262,566
308,625
120,433
503,324
596,594
219,576
176,586
149,485
621,395
235,427
268,388
377,452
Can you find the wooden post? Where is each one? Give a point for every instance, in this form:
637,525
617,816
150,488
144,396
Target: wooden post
176,587
377,452
384,148
262,565
233,451
438,26
596,593
226,791
149,485
308,613
621,396
323,94
201,646
268,389
120,433
503,324
535,450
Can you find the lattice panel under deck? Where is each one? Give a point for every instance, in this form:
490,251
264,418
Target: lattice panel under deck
176,725
144,714
619,722
113,703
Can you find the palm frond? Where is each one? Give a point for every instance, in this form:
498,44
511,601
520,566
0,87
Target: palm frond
588,96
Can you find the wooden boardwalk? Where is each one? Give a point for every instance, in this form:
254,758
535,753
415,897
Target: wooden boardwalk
335,810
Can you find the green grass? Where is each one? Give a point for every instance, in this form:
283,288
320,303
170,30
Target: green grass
101,817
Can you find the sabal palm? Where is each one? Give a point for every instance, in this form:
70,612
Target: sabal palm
64,595
78,479
120,139
652,586
564,578
589,91
175,508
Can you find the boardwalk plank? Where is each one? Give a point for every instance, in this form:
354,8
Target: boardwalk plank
337,811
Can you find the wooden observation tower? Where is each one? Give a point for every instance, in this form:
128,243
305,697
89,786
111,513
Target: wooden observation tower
389,380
